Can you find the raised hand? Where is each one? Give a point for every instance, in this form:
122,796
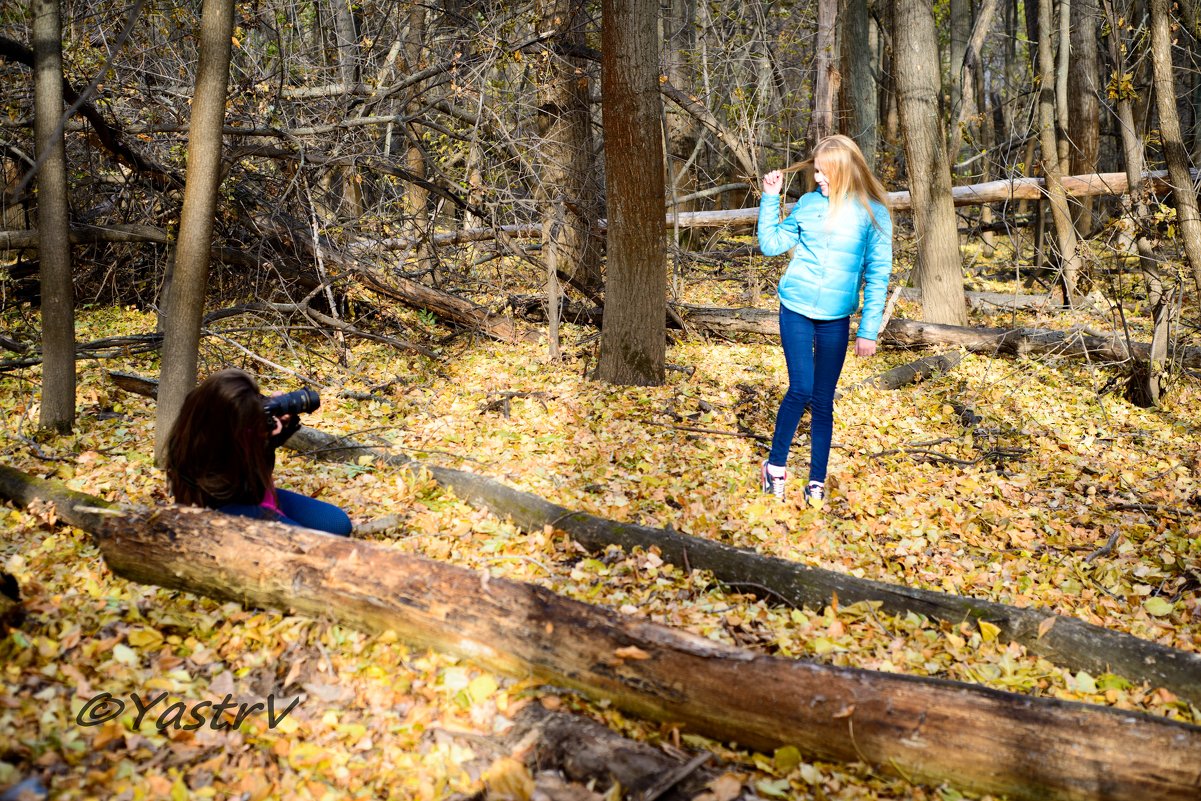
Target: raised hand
772,182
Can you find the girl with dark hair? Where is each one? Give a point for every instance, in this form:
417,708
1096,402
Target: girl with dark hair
841,238
221,455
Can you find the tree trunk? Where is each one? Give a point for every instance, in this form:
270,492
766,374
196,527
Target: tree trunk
54,244
1146,383
939,271
633,344
682,129
1084,123
826,78
960,13
860,86
185,303
416,196
1065,234
1174,151
981,740
565,194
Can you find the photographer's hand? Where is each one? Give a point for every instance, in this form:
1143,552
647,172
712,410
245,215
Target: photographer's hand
284,427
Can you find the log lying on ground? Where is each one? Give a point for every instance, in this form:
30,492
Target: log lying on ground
1066,641
914,333
929,730
917,370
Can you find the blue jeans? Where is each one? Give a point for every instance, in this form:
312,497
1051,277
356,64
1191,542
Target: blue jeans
298,510
814,351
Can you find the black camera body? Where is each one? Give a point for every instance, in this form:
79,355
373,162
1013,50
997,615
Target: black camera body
302,401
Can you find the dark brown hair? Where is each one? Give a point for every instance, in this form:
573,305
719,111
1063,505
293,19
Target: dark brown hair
217,453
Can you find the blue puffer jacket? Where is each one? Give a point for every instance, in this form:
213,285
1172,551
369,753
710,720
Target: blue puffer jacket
832,258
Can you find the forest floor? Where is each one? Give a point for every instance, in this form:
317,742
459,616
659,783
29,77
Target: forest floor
913,499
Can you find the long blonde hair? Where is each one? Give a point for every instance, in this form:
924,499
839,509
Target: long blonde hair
843,163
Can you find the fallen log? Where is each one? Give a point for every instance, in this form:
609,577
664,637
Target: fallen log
916,334
930,730
917,370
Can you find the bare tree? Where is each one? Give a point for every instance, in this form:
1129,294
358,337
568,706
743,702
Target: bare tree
185,299
54,243
939,270
633,335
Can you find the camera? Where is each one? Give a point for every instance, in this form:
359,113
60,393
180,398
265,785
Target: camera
302,401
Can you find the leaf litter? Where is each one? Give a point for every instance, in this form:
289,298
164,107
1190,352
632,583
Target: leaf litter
915,499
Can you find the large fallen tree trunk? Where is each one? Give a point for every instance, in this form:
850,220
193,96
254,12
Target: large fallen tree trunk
929,730
916,334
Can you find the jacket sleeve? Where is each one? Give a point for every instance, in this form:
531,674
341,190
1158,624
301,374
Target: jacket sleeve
776,236
878,269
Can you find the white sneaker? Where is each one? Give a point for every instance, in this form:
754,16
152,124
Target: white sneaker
772,484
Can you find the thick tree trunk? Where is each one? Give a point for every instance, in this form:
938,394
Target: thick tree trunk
54,250
939,271
859,84
826,77
632,347
185,303
1174,151
981,740
566,191
1084,123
